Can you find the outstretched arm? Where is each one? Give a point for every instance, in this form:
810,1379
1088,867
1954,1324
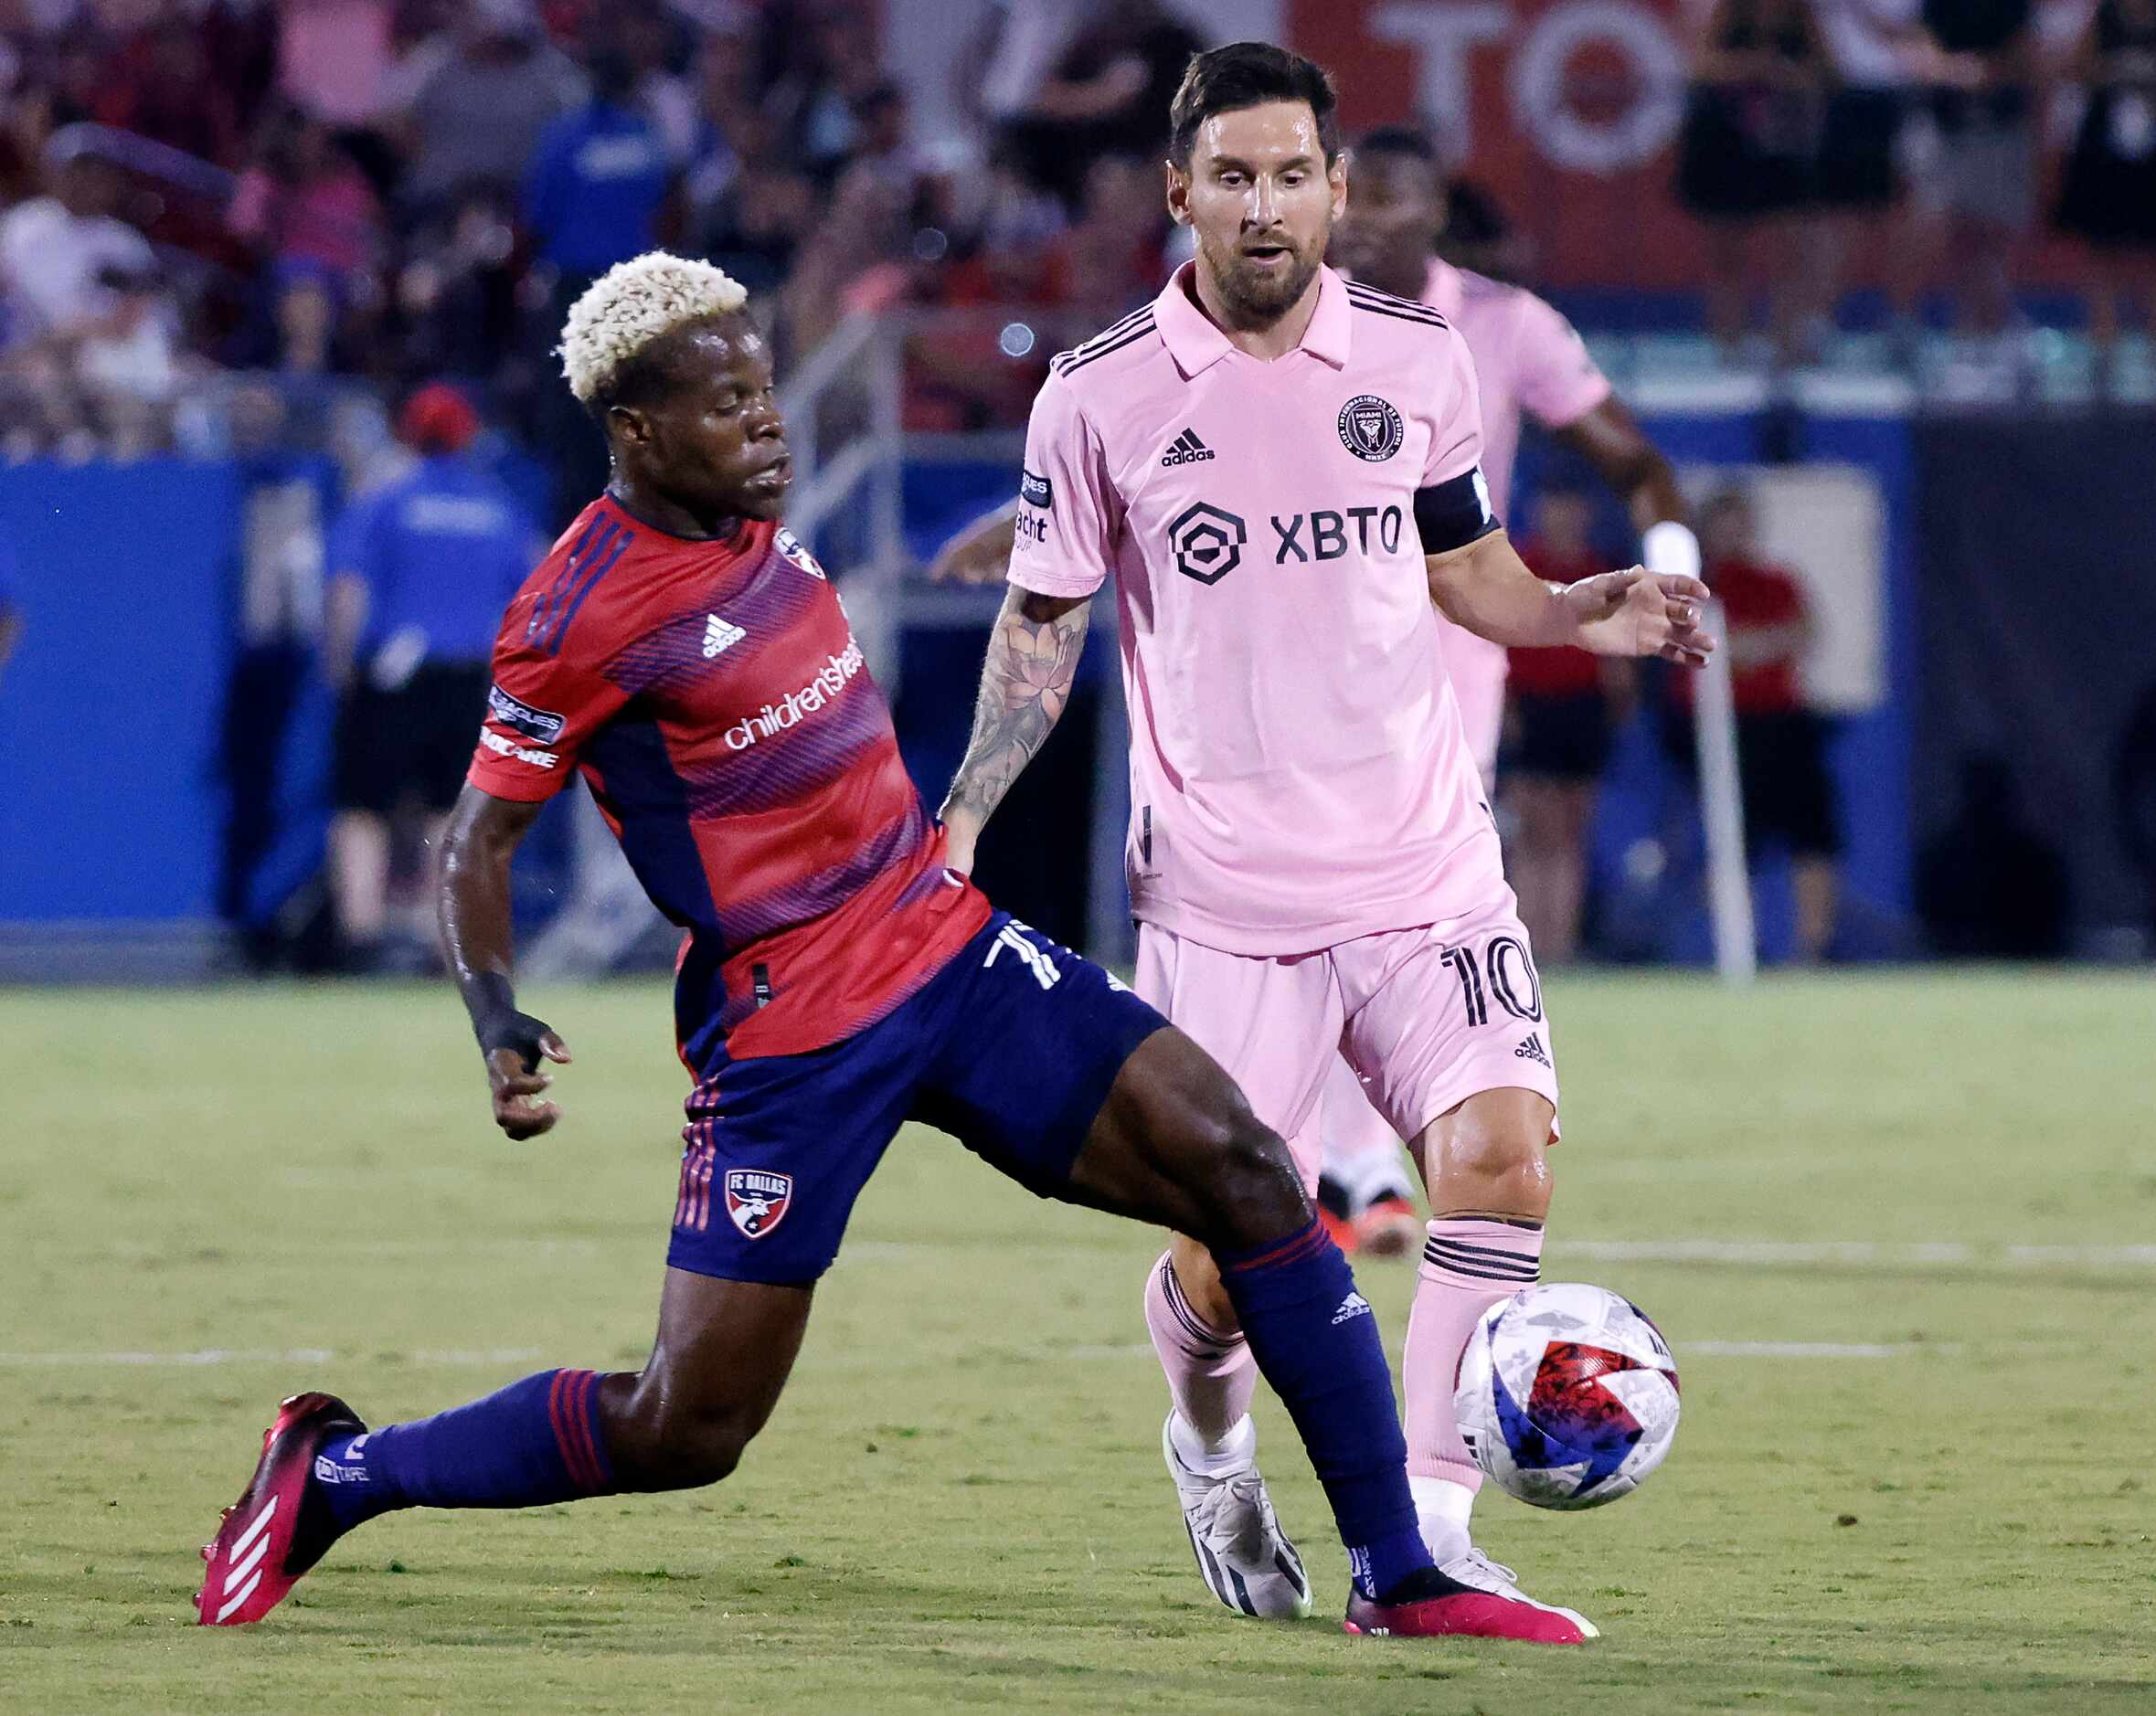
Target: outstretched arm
482,836
1033,656
1488,588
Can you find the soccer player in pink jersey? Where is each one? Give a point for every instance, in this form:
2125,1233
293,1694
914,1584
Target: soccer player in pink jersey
1282,469
1529,361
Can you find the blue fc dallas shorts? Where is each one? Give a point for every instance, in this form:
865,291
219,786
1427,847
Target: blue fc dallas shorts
1011,1048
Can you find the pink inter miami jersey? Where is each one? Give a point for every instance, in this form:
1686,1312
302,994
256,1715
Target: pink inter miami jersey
1528,358
1297,776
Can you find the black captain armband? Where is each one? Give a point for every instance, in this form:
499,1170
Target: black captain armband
1452,514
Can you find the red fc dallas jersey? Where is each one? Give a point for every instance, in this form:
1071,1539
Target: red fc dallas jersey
715,699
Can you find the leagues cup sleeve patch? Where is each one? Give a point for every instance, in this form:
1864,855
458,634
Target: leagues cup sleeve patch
789,545
1454,513
542,724
1036,492
1370,427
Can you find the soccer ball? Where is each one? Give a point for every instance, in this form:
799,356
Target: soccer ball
1566,1395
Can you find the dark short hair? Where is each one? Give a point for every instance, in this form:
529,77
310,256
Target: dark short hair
1400,140
1249,74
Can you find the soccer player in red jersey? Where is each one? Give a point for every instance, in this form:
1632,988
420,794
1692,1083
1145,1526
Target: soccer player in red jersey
684,655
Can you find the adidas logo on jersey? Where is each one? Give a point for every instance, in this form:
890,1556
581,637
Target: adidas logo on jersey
719,636
1532,1050
1186,449
1354,1306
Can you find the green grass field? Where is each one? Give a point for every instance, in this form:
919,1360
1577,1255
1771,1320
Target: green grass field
1899,1229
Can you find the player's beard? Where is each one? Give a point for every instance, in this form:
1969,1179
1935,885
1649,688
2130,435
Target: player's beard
1259,297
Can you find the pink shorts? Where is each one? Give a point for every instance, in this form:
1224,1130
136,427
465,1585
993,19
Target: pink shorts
1427,1017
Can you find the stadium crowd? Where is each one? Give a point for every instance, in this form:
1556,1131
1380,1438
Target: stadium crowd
402,189
396,190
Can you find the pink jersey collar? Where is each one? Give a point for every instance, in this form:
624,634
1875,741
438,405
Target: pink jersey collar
1196,343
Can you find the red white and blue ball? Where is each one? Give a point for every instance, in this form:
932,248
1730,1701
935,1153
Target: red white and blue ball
1566,1395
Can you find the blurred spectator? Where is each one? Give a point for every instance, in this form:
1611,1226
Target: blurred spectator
479,113
1857,185
731,129
1990,886
755,224
600,182
305,208
334,58
646,33
456,309
1974,185
92,333
1745,158
1109,89
419,572
1788,801
818,101
1564,704
1115,257
57,250
337,62
161,85
2109,199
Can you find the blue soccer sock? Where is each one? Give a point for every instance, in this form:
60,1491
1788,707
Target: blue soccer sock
535,1442
1316,1341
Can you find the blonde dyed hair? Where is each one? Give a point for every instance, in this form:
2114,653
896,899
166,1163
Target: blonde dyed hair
632,304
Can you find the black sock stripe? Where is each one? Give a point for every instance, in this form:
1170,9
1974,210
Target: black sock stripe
1481,1265
1496,1253
1216,1343
1489,1269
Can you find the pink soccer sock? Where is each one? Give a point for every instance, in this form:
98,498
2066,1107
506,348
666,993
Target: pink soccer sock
1210,1372
1467,1266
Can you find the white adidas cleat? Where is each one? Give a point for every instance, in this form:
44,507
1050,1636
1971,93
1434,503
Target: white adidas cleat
1246,1559
1479,1572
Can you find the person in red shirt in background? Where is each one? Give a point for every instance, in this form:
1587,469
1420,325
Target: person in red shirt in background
1564,705
1780,742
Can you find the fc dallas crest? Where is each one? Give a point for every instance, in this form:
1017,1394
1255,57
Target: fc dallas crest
756,1201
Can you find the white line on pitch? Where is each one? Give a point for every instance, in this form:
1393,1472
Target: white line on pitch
289,1355
1810,1348
1076,1355
1934,1254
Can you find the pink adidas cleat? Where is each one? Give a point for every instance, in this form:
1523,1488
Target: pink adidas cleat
1470,1597
271,1534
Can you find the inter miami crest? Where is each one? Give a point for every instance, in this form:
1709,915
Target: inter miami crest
756,1201
1370,427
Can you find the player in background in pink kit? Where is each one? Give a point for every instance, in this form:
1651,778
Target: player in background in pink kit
1528,360
1282,470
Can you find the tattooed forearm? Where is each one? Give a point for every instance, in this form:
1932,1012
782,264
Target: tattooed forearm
1033,656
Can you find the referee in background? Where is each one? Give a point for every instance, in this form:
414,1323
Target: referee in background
419,571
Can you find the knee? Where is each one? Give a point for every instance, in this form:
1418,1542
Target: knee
1255,1192
1495,1162
670,1445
